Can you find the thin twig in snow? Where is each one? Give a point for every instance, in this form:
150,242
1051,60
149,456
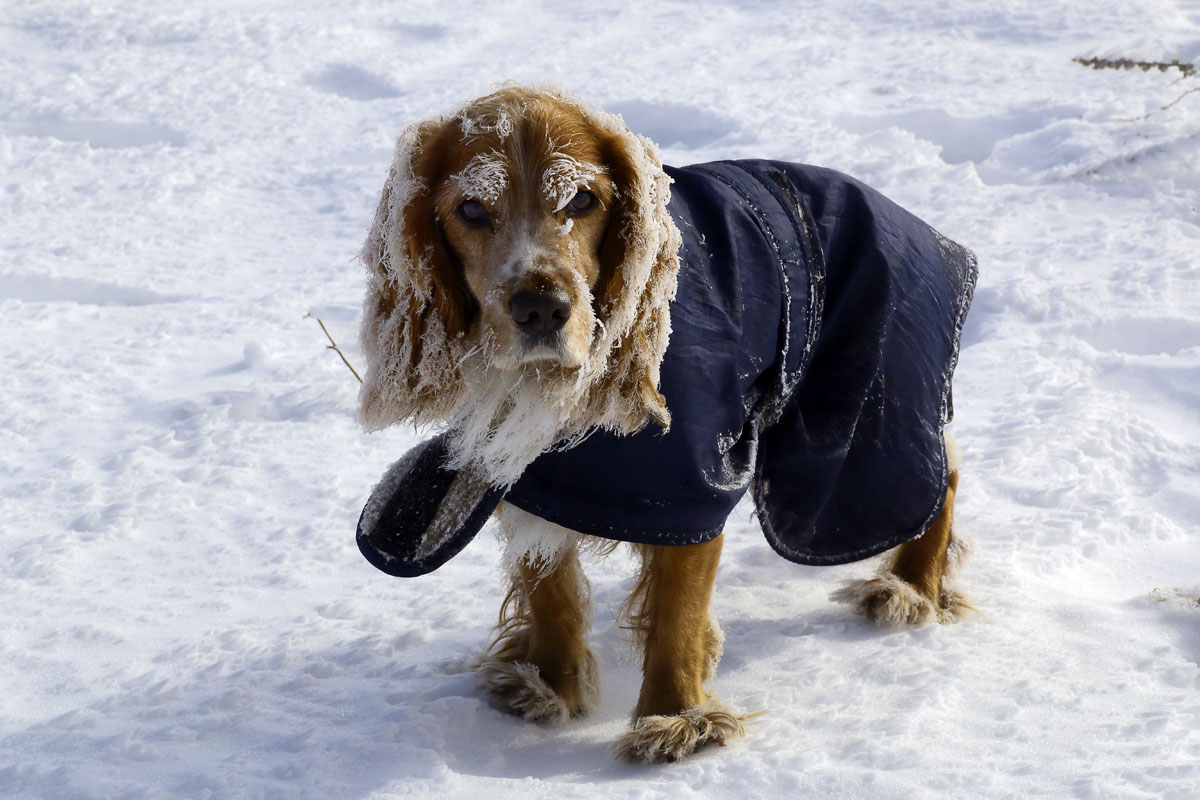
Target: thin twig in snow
1186,71
334,347
1156,110
1128,63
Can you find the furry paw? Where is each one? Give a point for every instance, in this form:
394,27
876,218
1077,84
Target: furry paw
522,689
889,600
654,739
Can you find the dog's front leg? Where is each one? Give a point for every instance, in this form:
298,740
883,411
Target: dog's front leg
682,644
540,666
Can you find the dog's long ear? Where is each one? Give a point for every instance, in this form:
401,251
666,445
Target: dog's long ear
417,307
639,264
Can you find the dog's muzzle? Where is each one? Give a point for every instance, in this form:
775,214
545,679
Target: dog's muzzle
540,315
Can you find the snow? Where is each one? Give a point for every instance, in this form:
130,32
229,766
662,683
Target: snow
185,613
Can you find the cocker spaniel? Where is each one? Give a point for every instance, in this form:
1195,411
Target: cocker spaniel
618,351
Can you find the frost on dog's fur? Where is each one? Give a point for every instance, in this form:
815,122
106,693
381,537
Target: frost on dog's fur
891,601
564,177
417,372
659,738
484,178
472,125
526,536
521,687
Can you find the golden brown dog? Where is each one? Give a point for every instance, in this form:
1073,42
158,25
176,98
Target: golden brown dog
519,295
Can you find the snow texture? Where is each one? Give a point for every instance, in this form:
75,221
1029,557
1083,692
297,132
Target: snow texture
185,613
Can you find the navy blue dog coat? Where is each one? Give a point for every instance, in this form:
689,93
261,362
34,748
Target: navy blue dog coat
813,337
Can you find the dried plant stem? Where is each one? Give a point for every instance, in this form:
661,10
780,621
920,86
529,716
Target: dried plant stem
1156,110
1186,71
334,347
1144,66
1177,99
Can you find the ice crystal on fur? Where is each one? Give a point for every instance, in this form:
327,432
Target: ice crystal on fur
657,738
890,601
953,454
500,123
565,176
524,535
509,419
394,285
522,688
485,177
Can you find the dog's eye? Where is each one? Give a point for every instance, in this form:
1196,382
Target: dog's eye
473,212
582,202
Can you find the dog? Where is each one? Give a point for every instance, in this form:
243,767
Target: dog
618,351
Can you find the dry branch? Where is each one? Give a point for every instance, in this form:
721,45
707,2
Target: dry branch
334,347
1186,71
1144,66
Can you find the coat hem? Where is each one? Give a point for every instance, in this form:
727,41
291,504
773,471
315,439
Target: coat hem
631,535
799,556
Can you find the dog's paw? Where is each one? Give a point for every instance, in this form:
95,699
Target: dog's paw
520,687
889,600
655,739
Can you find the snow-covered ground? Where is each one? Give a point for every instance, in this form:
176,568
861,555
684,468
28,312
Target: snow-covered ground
183,612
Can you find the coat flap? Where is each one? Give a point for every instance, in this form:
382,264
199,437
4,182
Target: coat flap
421,514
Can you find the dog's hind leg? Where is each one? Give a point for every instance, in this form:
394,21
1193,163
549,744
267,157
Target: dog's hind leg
540,666
913,588
668,611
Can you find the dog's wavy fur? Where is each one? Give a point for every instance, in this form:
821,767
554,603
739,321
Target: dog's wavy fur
491,202
429,359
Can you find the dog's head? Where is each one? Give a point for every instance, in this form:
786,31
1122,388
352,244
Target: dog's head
525,234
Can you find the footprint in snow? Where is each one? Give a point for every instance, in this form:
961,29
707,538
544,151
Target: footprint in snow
38,289
99,133
961,139
1143,336
673,124
353,83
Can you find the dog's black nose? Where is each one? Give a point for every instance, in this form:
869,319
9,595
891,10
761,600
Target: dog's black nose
540,312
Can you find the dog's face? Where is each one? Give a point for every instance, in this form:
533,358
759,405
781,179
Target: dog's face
522,241
524,203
